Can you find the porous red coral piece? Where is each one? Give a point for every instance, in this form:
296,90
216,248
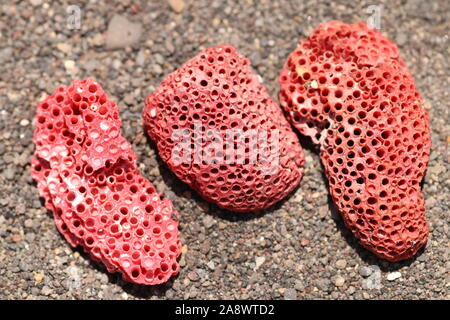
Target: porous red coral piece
346,87
214,92
86,171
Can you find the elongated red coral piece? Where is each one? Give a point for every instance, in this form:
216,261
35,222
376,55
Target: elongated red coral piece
86,171
219,131
346,87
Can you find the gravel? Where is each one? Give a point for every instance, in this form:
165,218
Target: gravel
299,249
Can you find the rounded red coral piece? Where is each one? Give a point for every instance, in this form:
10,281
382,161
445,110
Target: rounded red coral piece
219,131
346,87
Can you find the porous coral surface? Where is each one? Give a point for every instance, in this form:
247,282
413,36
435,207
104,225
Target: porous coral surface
249,157
86,171
346,87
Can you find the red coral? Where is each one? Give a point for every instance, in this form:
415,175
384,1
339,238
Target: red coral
87,173
220,132
346,87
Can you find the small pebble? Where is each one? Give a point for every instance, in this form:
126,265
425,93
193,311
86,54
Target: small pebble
299,285
339,281
9,173
259,261
140,58
70,66
211,265
341,264
394,276
193,276
64,47
46,291
36,2
38,277
16,237
365,271
28,223
304,242
177,5
290,294
208,221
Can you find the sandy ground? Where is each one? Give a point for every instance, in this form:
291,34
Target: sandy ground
299,249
